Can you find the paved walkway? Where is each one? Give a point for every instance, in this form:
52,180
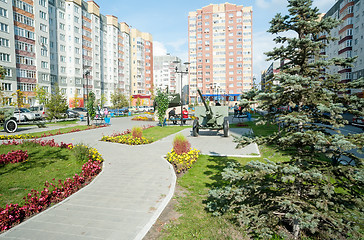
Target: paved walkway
128,196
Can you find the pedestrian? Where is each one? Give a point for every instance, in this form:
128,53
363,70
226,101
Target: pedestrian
184,115
236,109
217,103
172,116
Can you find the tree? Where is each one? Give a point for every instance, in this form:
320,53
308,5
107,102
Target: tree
20,96
2,76
41,95
91,108
57,104
119,100
102,100
317,192
138,102
162,102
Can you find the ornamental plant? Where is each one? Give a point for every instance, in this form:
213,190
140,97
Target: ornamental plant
181,144
317,193
137,132
53,192
126,137
184,161
13,157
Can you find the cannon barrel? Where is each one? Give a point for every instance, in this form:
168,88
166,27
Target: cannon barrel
203,101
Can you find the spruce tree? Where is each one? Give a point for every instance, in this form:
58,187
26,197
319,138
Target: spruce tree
319,191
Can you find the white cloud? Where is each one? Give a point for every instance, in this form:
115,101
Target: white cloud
159,49
177,44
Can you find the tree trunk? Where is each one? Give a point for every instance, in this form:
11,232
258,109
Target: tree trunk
296,228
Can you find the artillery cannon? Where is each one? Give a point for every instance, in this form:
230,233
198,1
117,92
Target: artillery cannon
210,117
8,120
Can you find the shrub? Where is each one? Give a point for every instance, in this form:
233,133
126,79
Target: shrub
181,144
137,132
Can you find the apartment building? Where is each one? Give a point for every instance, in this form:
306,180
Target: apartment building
165,76
71,44
350,43
220,51
141,49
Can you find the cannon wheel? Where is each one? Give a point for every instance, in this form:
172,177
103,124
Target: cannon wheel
10,126
226,128
195,128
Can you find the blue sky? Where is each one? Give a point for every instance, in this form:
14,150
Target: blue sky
167,22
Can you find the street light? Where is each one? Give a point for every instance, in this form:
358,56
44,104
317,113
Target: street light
182,72
87,114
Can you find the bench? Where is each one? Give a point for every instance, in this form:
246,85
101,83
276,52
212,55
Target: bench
177,119
239,117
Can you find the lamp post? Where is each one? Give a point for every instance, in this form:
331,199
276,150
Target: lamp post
182,72
87,114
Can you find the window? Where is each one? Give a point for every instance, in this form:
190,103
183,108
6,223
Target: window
61,15
4,57
62,37
43,15
6,86
23,6
4,42
23,19
43,27
24,60
76,19
3,12
44,52
61,26
25,73
42,2
44,64
4,27
44,40
62,58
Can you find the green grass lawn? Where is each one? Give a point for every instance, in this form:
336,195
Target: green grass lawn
51,132
158,132
43,164
195,222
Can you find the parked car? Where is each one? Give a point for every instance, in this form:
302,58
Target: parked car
358,121
24,115
72,114
80,110
39,109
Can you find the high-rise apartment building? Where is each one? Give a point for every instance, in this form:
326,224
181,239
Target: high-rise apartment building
350,43
141,49
69,43
220,51
165,76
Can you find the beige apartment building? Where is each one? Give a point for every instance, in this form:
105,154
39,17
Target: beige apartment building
220,52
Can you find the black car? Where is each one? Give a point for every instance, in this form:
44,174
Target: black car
72,114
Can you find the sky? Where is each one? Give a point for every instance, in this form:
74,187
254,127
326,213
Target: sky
167,21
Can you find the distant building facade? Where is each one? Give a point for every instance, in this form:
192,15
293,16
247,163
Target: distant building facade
350,43
69,43
220,51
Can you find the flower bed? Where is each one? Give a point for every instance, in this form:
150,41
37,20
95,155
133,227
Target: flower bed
13,157
126,138
142,118
53,192
49,134
184,161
